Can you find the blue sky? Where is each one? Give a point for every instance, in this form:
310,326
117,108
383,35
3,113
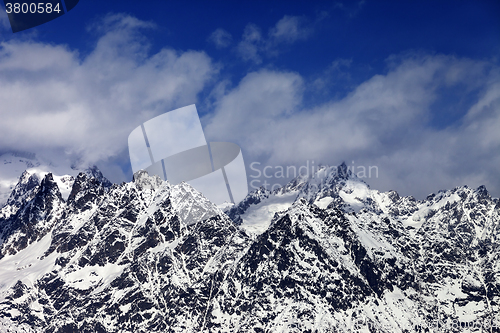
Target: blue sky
412,87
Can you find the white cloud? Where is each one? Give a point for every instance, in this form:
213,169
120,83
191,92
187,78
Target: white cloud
251,44
385,121
251,109
53,99
289,30
220,38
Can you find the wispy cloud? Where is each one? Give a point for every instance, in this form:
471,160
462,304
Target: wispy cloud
220,38
251,44
351,8
337,72
288,30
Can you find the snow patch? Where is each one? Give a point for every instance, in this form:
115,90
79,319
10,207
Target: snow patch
354,193
258,217
26,266
92,276
324,202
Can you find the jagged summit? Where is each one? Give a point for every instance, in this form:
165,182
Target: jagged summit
324,175
94,172
142,180
13,165
33,181
48,186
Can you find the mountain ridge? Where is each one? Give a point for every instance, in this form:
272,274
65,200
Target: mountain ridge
334,255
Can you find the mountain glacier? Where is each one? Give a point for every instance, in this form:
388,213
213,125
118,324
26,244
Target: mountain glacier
324,253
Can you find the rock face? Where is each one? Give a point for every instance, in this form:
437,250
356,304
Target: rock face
321,254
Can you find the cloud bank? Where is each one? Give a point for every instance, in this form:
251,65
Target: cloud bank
387,121
52,99
429,122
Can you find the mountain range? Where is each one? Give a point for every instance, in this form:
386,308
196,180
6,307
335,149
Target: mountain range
324,253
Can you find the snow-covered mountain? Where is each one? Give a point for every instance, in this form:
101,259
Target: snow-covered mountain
321,254
328,187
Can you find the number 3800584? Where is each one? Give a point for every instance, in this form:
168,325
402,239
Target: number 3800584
32,8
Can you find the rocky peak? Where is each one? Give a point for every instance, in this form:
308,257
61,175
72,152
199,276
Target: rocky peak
143,180
24,190
85,190
482,193
393,195
94,172
34,219
343,171
48,193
